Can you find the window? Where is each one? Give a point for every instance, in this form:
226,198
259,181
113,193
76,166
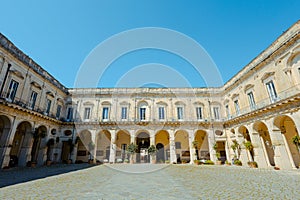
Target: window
161,113
179,113
13,86
142,113
32,99
87,113
272,91
70,114
237,107
199,113
48,106
124,113
177,145
105,113
251,100
58,110
216,113
227,111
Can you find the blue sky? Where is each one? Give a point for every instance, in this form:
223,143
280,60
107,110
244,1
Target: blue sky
59,35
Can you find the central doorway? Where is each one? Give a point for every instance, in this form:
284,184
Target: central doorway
143,143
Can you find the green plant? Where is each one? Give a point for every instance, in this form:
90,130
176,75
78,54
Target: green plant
152,150
215,146
248,145
227,162
126,160
167,161
296,141
131,148
195,144
209,162
237,162
218,155
236,149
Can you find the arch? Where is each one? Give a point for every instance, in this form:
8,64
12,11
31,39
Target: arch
143,142
288,128
243,130
5,126
201,146
182,147
122,141
21,145
103,140
262,129
82,151
162,143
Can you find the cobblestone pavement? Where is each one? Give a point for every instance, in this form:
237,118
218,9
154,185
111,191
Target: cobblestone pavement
169,182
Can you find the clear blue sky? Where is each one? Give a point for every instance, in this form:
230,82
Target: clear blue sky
59,35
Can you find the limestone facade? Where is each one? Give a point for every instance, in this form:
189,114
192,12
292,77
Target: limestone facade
42,120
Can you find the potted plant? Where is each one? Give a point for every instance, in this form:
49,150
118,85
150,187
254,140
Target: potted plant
218,156
249,147
91,147
152,151
131,149
167,161
227,163
236,149
237,162
252,164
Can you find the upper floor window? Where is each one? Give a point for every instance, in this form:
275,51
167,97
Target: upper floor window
251,100
32,99
272,91
199,112
237,107
142,113
216,112
48,105
161,113
105,113
87,113
227,111
179,113
12,91
124,113
70,114
58,110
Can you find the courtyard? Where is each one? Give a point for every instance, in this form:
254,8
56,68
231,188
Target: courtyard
148,181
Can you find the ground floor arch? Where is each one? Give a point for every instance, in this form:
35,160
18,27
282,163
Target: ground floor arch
162,144
103,146
182,146
20,152
243,130
288,128
143,143
266,142
122,142
201,145
5,126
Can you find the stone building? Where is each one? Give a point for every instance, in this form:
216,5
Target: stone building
42,120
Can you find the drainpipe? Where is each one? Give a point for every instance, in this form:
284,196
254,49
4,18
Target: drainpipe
5,78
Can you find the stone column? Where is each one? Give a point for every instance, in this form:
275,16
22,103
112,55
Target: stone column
5,157
173,158
112,154
282,158
94,140
211,142
132,140
192,149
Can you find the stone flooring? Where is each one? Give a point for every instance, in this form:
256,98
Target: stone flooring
146,181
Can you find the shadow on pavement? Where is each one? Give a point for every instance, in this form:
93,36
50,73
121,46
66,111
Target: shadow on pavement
24,174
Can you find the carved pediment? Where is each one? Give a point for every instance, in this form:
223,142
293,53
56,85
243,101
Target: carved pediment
35,84
267,75
248,86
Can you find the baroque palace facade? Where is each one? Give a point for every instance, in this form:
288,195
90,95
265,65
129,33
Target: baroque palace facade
42,120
